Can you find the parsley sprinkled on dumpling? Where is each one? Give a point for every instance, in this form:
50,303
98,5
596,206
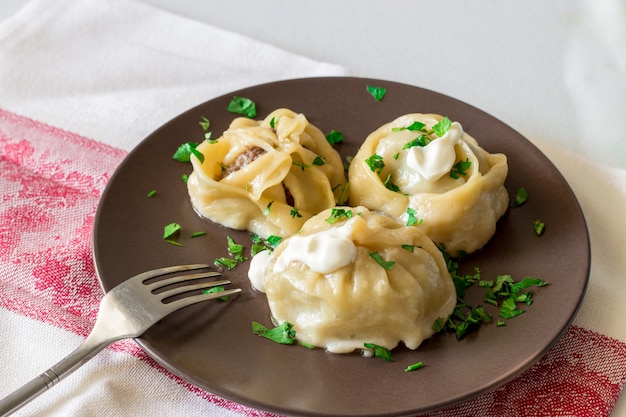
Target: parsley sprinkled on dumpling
424,170
353,276
267,176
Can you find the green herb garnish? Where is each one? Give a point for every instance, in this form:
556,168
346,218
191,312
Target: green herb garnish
414,367
377,92
521,195
460,169
390,185
337,214
334,137
184,152
442,127
379,351
375,162
170,230
197,234
243,106
412,219
379,259
283,334
413,127
295,213
151,193
539,227
421,140
205,123
228,263
218,288
268,208
410,248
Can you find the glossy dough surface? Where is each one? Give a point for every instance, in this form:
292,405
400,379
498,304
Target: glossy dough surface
258,173
362,301
460,213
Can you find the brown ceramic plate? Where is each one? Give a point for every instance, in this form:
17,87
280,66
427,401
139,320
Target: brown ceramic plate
212,344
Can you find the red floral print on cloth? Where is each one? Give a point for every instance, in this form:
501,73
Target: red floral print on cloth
50,183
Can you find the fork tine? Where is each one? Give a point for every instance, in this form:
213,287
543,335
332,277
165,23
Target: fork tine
153,286
187,301
168,270
189,287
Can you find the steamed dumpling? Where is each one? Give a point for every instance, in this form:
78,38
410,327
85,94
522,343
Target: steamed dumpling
426,171
266,176
353,276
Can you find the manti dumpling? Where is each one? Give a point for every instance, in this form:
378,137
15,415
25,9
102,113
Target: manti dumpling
424,170
353,276
266,176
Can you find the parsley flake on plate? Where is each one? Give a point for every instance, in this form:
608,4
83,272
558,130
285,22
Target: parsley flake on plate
170,230
521,195
539,227
379,351
334,137
243,106
377,92
283,334
184,152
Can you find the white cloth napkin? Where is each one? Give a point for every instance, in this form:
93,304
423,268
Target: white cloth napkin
113,71
116,70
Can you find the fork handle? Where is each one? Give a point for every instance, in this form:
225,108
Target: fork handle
87,350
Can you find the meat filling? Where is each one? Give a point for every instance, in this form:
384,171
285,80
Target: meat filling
243,159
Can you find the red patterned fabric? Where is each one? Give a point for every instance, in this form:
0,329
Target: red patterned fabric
50,183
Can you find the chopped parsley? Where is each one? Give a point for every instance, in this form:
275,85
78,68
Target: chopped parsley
539,227
228,263
421,140
379,259
283,334
442,127
197,234
205,124
375,162
521,195
414,367
268,208
236,255
410,248
379,351
218,288
170,230
377,92
413,127
412,219
337,214
460,169
503,293
390,185
259,244
294,213
184,152
243,106
151,193
334,137
318,161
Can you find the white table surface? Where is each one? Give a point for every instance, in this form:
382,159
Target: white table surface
554,71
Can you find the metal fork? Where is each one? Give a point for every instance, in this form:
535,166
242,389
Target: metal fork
128,310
